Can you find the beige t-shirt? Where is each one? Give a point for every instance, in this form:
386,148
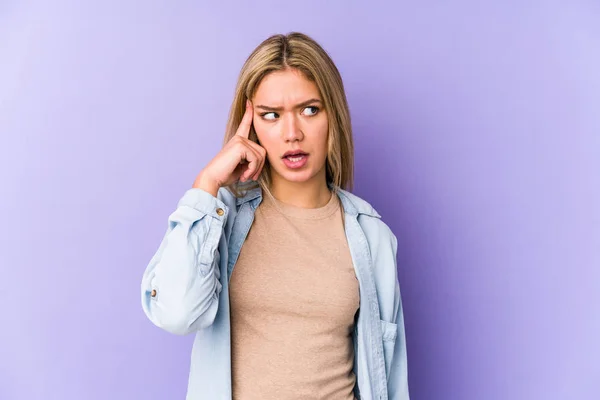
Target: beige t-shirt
294,296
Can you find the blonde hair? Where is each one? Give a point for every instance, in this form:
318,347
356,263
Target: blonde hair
299,52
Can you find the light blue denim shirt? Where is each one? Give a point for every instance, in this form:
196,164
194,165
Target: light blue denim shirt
185,289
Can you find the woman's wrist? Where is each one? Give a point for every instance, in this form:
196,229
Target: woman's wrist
206,184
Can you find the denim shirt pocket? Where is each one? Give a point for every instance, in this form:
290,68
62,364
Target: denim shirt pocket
389,331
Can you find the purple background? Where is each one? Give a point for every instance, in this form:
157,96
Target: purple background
477,135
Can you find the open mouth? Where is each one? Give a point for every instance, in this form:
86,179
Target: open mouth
295,153
295,159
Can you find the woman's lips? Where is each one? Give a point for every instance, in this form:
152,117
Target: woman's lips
295,161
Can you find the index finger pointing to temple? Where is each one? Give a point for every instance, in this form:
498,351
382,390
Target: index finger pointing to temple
244,128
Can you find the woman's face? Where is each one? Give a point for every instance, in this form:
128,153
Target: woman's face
289,116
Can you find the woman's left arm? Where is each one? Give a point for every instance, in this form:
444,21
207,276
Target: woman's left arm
385,250
398,373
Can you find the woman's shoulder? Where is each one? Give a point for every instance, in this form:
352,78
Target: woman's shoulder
356,205
370,219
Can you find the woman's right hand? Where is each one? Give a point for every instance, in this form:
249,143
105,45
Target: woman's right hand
240,159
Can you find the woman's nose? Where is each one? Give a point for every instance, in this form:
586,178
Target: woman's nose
291,129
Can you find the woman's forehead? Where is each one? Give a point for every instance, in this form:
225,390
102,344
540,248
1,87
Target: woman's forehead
285,88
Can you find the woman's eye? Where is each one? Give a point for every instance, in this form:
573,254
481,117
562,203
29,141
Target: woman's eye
269,116
312,110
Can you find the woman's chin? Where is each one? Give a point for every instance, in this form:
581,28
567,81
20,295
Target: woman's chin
296,176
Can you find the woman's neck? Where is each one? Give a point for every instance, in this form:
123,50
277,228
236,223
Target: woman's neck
310,194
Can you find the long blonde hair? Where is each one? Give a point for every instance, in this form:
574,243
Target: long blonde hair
300,52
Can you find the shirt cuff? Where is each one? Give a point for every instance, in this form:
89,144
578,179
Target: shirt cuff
204,202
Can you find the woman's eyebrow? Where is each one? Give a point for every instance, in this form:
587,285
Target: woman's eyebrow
300,105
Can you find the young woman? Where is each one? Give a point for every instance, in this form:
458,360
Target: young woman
287,279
